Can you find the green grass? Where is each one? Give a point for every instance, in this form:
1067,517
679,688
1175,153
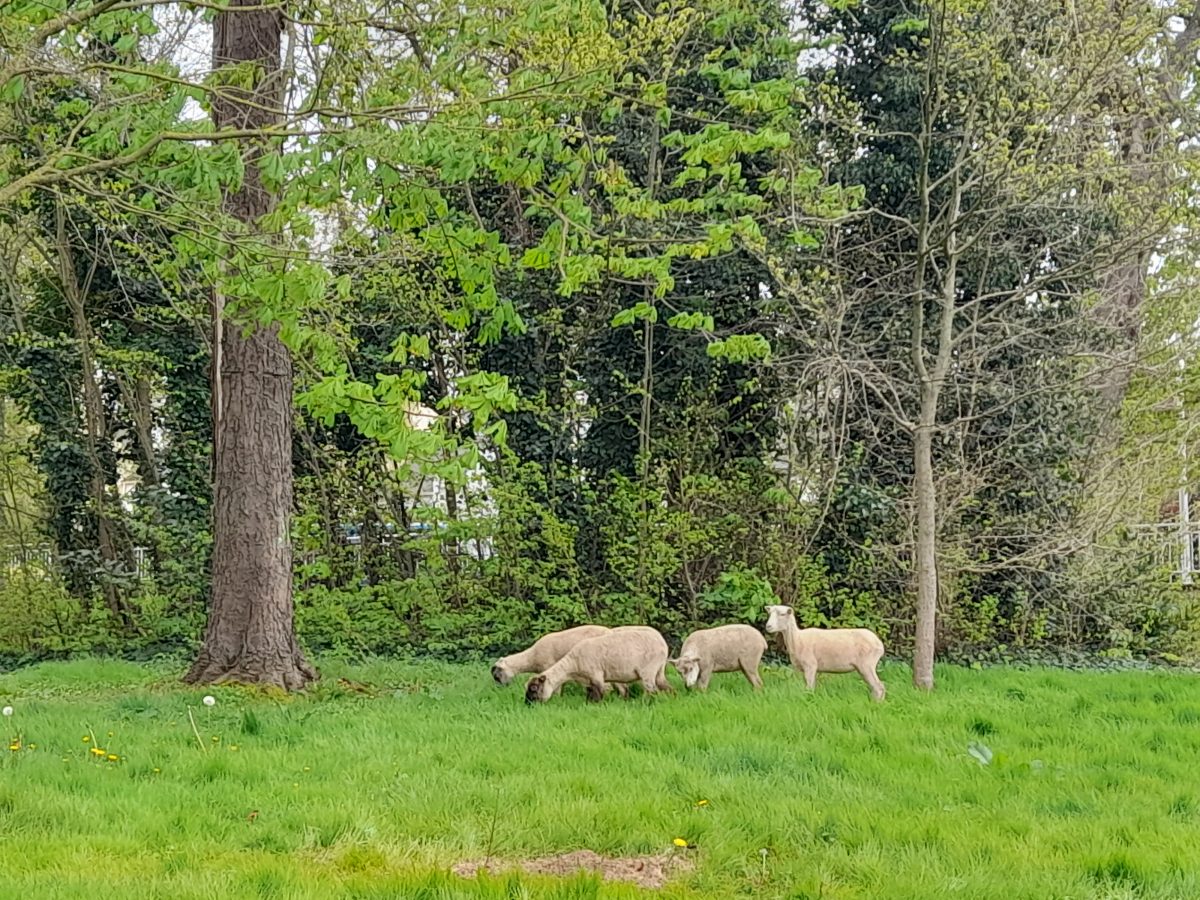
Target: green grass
1093,790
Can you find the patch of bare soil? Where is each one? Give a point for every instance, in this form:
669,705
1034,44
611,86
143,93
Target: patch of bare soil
644,871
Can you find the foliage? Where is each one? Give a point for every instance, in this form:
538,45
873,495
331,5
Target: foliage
958,333
654,270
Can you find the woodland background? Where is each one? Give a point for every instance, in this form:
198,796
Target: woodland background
612,312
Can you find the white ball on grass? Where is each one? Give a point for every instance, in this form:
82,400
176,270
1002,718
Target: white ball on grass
210,700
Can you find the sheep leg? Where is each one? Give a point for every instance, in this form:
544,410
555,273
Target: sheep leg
878,690
705,675
751,673
810,677
660,680
621,689
596,691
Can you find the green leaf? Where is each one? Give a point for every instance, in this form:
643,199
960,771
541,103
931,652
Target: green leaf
624,317
13,89
536,258
741,348
269,289
692,320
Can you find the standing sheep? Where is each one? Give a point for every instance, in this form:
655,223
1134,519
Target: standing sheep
726,648
624,655
814,650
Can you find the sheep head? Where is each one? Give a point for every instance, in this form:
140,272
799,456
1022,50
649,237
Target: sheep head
688,668
779,619
535,691
501,675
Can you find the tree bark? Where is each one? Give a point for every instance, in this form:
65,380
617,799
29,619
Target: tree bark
925,495
251,632
930,381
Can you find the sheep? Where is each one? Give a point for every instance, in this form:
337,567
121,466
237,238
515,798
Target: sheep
814,650
727,648
626,654
545,652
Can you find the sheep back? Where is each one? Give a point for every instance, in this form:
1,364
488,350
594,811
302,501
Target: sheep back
839,649
624,655
544,652
725,648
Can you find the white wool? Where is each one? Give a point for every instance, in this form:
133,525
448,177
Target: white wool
544,652
726,648
814,650
630,653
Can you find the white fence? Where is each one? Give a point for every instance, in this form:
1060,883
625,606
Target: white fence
1172,546
41,559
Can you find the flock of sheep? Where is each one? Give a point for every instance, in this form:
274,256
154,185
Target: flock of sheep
602,659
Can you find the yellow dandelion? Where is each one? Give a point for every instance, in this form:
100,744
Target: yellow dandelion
112,757
86,738
702,803
33,746
680,842
14,746
156,771
233,746
308,768
96,751
216,739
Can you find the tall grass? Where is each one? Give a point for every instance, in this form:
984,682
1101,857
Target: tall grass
1092,788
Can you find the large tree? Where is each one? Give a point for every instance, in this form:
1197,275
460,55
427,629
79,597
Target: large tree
251,635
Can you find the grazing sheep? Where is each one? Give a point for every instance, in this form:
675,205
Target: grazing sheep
727,648
814,650
624,655
545,652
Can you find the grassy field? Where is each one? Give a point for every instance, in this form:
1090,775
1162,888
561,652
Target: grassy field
1092,789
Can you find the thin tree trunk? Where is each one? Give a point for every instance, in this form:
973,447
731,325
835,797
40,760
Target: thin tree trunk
95,430
251,633
931,380
645,445
140,401
925,496
442,380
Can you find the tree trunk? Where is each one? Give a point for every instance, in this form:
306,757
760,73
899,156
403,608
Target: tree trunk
930,381
925,495
251,633
95,428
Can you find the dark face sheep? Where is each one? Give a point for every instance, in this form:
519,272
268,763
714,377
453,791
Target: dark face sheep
501,675
533,690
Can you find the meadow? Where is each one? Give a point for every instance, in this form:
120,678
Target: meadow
117,781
